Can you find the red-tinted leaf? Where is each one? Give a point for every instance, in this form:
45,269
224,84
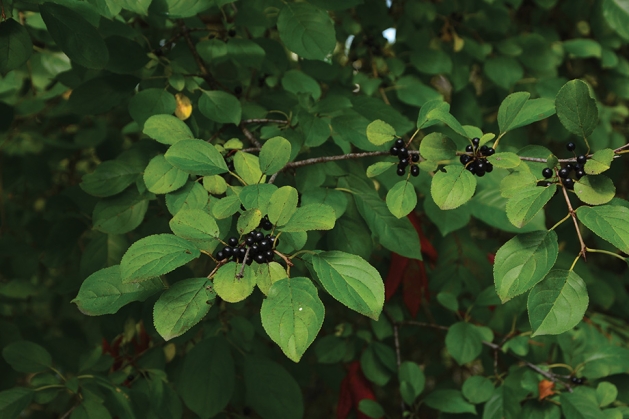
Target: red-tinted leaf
415,284
394,277
491,257
428,249
354,388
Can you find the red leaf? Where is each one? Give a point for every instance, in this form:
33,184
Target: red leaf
413,282
394,277
354,388
427,248
105,345
491,257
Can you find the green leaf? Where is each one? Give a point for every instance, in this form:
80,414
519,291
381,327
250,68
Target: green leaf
442,114
523,261
101,94
511,185
504,404
120,214
191,196
534,110
604,360
220,107
311,217
298,82
452,187
595,190
208,377
371,408
509,109
464,342
378,363
196,226
447,221
182,306
104,293
167,129
412,381
606,393
599,162
436,146
292,315
109,178
477,389
524,205
249,221
379,132
155,255
616,14
504,160
215,184
196,157
229,286
280,397
16,46
423,121
14,401
267,274
379,168
257,196
76,37
583,48
576,406
558,303
138,6
412,91
225,207
401,199
576,109
149,102
504,71
248,167
283,204
274,155
162,177
449,401
609,222
351,280
431,61
28,357
306,30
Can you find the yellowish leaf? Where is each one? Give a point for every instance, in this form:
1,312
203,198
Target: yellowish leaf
184,106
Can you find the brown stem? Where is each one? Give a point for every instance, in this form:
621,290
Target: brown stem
284,258
244,261
574,219
264,121
250,136
349,156
398,356
205,74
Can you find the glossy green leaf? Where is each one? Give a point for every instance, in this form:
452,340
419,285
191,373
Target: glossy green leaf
595,190
511,185
274,155
576,109
104,293
230,286
257,196
162,177
606,393
379,132
523,206
504,403
16,46
599,162
443,115
351,280
609,222
423,119
436,146
306,30
583,48
298,82
182,306
401,199
558,303
464,342
225,207
371,408
76,37
28,357
196,157
449,401
452,187
191,196
412,91
167,129
220,107
292,315
155,255
524,261
311,217
215,184
109,178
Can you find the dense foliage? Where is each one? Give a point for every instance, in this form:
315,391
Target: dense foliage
333,208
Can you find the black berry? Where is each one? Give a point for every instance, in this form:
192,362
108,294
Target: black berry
415,158
259,236
249,260
415,170
260,259
480,166
484,149
220,255
563,173
476,141
394,151
227,251
469,148
242,252
547,173
580,174
399,143
480,172
571,146
490,151
569,166
465,159
543,183
249,240
489,167
267,225
582,159
568,183
400,171
404,162
269,255
471,168
230,166
233,241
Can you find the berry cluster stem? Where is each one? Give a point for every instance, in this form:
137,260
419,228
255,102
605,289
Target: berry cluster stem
574,219
244,261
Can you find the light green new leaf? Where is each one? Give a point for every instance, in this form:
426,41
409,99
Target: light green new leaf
225,207
274,155
154,256
268,274
311,217
526,203
510,108
379,132
609,222
576,109
449,401
452,187
220,107
249,221
283,204
110,178
306,30
351,280
196,157
182,306
229,286
523,261
16,46
558,303
599,162
197,226
76,37
14,401
616,13
464,342
167,129
504,160
402,199
120,214
25,356
595,190
436,146
292,315
161,177
104,293
379,168
215,184
248,167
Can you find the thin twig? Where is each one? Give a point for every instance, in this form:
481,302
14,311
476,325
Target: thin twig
250,136
286,260
264,121
242,268
273,177
574,219
422,324
398,355
349,156
209,79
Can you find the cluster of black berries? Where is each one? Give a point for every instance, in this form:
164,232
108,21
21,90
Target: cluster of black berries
260,248
476,162
265,224
406,158
565,172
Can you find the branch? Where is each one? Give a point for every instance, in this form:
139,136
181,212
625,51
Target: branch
249,135
211,81
398,356
349,156
264,121
574,219
240,274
